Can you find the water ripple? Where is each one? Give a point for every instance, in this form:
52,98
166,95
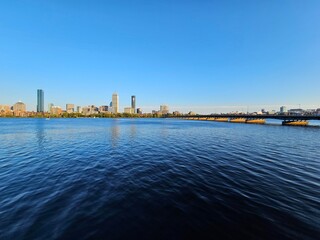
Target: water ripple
157,179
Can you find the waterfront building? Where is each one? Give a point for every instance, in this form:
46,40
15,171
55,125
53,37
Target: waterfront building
79,109
90,110
103,108
297,111
272,112
310,111
128,110
5,109
56,110
19,109
40,100
283,110
115,103
176,113
164,109
139,110
69,108
50,105
133,103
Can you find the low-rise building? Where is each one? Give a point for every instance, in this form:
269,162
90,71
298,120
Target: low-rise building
50,105
103,109
70,108
5,109
56,110
19,109
79,109
128,110
176,113
296,111
164,109
272,112
90,110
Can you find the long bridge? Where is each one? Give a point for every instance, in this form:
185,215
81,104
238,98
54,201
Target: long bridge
295,120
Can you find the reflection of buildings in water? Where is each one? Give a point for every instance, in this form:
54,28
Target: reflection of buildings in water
164,130
133,131
115,132
40,133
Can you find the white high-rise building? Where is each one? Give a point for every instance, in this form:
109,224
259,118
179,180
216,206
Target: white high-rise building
283,109
115,103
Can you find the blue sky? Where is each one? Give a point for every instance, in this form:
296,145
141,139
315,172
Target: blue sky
204,56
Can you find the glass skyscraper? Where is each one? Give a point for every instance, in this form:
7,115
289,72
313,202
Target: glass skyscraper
133,103
40,100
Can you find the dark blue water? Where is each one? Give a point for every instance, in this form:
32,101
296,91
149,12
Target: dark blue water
157,179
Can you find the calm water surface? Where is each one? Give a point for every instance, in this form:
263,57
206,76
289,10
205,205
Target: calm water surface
157,179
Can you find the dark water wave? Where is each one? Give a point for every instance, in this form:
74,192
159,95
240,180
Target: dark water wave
157,179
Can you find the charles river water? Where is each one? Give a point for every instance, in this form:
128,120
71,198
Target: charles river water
157,179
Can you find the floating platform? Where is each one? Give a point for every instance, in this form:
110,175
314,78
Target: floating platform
256,121
295,123
238,120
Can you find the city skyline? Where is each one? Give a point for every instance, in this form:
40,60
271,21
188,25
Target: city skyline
183,109
164,109
203,57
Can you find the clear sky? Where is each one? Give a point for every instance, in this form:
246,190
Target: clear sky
204,56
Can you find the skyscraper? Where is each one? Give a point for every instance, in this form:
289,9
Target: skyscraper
133,103
40,100
115,103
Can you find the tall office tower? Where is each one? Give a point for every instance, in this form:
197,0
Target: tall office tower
133,103
40,100
115,103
